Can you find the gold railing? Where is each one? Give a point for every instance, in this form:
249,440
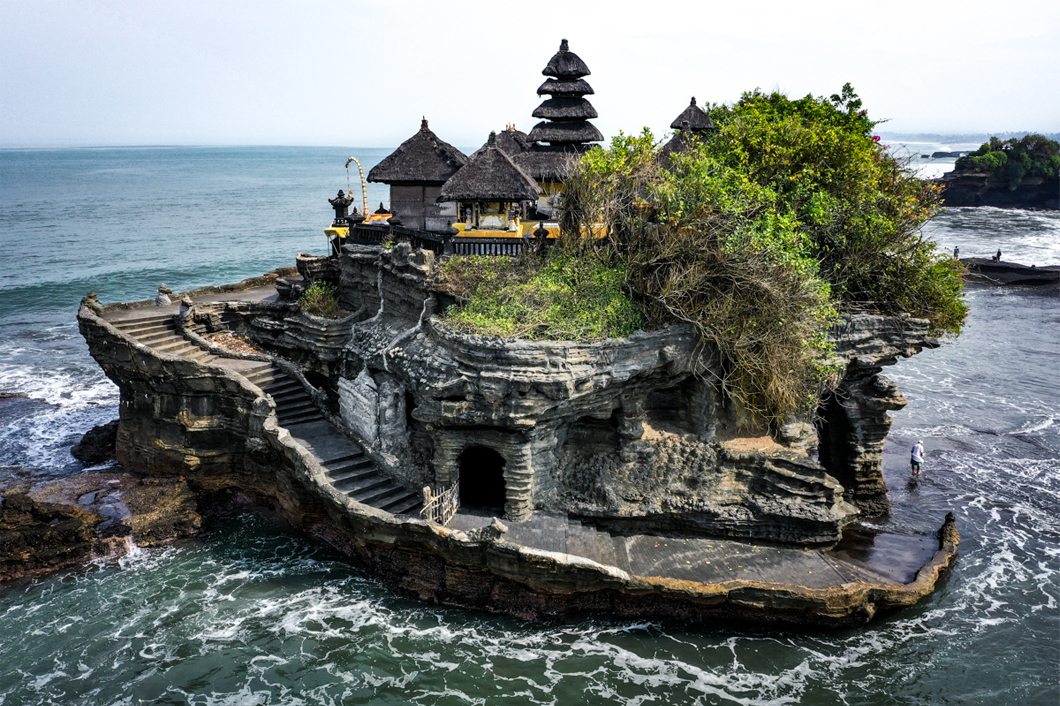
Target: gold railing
440,506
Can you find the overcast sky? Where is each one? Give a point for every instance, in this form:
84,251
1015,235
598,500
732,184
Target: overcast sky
353,73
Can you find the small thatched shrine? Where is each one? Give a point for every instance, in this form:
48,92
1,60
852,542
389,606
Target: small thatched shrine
416,172
692,126
492,192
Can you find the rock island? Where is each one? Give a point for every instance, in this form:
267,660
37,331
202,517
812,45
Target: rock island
525,474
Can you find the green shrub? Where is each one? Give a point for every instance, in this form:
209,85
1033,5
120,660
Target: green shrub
321,299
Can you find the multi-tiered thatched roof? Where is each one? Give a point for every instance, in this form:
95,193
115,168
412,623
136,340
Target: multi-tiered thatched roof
567,112
421,159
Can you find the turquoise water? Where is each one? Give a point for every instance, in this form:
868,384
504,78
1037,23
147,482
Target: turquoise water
254,614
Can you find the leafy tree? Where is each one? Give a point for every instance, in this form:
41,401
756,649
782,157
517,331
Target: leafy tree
792,209
1012,160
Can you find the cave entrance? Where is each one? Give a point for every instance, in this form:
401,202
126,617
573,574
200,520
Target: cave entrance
482,478
833,434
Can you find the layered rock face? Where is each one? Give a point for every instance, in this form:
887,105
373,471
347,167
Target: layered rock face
563,426
969,188
854,422
626,431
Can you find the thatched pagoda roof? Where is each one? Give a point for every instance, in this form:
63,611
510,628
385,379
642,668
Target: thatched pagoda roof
511,141
565,64
421,159
692,118
490,175
567,132
550,163
565,109
575,87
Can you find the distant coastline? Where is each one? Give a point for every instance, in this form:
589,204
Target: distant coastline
946,138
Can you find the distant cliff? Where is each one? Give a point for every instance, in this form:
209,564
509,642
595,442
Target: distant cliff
1014,173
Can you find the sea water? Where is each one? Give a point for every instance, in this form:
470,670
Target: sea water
256,614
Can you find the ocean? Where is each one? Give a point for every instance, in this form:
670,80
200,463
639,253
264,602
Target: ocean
254,613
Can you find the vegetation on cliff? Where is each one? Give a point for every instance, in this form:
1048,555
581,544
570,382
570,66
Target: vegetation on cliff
322,299
790,212
1012,160
557,297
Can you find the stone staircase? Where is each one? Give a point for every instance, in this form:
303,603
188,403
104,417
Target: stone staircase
159,331
293,403
348,468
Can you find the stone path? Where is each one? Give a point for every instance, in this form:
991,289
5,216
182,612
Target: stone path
862,556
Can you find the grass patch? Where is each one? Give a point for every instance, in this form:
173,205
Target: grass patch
559,297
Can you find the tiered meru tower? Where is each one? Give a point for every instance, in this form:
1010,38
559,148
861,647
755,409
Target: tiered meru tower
567,113
565,132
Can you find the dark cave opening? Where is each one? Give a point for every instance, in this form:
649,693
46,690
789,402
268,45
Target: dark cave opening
482,478
833,433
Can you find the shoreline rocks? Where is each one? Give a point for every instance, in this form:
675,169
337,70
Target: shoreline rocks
64,523
985,271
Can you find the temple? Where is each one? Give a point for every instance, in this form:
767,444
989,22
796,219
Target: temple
494,201
626,476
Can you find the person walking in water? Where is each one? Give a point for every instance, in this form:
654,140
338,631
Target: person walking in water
917,457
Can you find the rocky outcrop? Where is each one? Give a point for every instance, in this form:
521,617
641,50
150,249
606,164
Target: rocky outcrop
970,188
853,421
62,523
683,485
984,271
626,431
97,445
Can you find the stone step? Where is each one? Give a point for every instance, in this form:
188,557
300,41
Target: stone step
144,324
339,461
142,332
273,384
409,504
277,383
291,396
287,392
355,455
363,482
381,496
265,374
313,416
166,346
295,407
352,470
184,351
158,339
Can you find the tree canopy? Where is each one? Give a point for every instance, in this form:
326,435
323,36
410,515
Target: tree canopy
757,236
1014,159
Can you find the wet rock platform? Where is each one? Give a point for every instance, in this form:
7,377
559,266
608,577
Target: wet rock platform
862,556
